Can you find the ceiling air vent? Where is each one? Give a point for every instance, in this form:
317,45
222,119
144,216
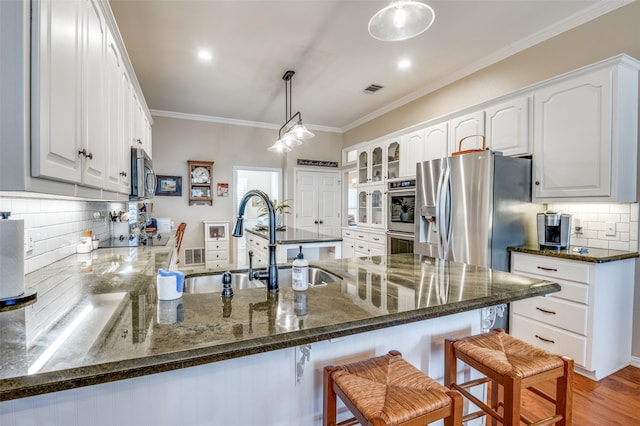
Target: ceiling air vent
373,88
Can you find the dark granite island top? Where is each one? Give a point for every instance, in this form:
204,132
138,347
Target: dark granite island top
583,254
295,236
136,335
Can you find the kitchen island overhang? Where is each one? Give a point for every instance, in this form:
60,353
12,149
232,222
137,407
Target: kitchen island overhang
416,288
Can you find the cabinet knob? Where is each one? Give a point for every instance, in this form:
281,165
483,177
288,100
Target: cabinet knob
83,152
139,141
537,182
123,173
315,221
321,222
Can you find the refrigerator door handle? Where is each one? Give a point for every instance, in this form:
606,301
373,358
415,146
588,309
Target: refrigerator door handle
442,220
446,212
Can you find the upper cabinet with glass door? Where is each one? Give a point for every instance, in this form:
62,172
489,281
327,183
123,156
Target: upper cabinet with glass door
371,166
393,159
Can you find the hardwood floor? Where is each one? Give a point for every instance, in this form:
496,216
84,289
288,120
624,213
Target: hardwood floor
613,401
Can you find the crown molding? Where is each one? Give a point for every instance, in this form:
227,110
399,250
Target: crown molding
601,8
235,122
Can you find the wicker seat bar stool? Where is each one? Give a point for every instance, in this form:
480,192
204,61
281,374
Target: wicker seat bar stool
387,390
509,365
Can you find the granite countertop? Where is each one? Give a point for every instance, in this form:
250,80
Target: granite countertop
594,255
295,236
137,335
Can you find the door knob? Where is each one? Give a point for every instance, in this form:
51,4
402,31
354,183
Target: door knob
315,221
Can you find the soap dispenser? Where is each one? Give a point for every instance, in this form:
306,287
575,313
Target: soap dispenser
300,274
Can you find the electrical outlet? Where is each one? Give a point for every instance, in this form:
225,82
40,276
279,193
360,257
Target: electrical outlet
610,229
28,240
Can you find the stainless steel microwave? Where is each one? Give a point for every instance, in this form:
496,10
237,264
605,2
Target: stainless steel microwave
143,178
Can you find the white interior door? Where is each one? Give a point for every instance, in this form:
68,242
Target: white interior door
317,202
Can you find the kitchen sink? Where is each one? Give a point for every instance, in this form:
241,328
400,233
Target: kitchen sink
240,280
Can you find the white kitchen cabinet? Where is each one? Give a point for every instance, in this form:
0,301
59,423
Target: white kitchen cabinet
435,142
57,107
69,128
395,156
508,126
79,109
94,102
413,148
585,134
369,243
348,243
371,206
371,164
592,314
464,126
216,242
119,163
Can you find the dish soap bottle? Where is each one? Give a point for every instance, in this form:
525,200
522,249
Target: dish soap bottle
300,273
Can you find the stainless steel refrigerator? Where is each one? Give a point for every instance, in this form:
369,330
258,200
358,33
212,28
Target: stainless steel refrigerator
473,206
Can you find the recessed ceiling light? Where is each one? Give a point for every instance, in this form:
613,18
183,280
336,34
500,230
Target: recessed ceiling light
403,64
205,55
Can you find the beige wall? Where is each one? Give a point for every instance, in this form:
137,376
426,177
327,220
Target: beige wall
614,33
177,140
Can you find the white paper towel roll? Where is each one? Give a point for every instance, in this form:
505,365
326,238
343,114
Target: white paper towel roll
11,258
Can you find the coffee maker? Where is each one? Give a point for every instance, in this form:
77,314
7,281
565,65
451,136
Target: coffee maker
554,229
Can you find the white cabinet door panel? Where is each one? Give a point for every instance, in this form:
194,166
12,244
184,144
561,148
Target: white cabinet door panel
508,127
572,137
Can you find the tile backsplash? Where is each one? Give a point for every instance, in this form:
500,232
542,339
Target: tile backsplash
57,224
594,218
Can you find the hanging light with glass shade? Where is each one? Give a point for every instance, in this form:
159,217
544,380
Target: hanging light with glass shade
401,20
290,135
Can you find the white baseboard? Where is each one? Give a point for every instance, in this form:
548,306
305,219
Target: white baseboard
635,361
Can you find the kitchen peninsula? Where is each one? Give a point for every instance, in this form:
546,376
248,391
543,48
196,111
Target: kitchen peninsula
315,246
251,356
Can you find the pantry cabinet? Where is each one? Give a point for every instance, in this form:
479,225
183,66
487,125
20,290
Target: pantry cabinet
585,134
592,314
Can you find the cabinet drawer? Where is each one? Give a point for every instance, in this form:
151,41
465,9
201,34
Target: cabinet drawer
363,236
550,338
214,264
348,233
377,238
550,267
560,313
217,254
218,245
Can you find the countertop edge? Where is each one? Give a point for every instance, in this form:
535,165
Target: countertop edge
582,257
265,235
26,386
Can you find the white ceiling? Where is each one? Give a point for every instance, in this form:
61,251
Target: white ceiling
327,44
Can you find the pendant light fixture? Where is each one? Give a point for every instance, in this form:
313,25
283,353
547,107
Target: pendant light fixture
401,20
290,135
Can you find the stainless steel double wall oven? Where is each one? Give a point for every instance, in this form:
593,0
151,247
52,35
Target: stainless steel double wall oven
401,200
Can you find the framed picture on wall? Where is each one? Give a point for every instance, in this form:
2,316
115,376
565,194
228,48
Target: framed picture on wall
223,190
169,185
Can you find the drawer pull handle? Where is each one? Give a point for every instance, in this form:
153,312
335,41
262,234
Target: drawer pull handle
545,340
545,311
547,269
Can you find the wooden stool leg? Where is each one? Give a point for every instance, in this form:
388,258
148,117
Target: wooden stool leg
455,419
329,398
450,363
564,393
512,392
494,401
